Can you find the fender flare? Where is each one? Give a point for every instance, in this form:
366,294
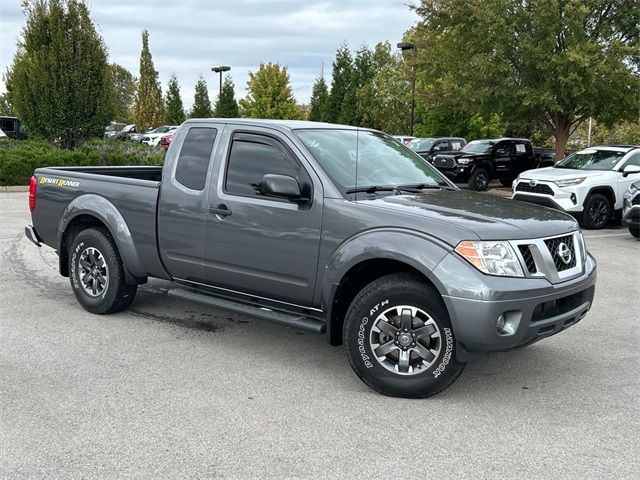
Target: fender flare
415,249
102,209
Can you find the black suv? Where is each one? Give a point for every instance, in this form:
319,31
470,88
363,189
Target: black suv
481,161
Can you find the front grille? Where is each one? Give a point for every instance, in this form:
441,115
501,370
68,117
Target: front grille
444,162
541,188
559,306
525,251
561,263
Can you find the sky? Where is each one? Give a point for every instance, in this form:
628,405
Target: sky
189,37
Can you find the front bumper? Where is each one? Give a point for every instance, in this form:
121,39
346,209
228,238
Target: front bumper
459,174
567,199
631,214
531,309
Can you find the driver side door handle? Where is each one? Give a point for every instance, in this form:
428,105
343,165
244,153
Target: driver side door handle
221,211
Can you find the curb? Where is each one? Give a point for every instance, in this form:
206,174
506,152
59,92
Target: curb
14,188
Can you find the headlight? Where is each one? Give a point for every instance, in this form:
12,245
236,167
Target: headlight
464,161
570,182
492,258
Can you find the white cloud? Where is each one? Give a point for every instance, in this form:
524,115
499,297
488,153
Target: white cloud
188,37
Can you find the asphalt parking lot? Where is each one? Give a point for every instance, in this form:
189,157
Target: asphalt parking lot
171,389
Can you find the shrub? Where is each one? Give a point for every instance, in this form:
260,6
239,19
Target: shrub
19,158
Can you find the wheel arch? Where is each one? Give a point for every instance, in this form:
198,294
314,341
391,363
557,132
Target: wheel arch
91,210
369,257
605,190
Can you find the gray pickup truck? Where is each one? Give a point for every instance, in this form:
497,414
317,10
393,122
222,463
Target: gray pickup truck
326,228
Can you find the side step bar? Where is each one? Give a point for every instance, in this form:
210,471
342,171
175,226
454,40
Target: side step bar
300,322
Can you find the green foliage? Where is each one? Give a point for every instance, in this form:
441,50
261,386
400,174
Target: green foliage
319,103
149,108
123,93
6,108
226,105
270,94
174,110
19,158
342,73
201,103
58,83
547,61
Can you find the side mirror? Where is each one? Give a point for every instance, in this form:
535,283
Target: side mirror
629,169
281,186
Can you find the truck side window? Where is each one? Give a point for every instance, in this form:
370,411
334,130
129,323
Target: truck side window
253,156
195,153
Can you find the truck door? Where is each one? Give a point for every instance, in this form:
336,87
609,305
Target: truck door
258,245
503,154
182,205
523,158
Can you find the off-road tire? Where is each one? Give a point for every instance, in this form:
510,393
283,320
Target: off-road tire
381,295
479,179
117,294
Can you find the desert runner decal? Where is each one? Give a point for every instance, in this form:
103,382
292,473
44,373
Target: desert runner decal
58,182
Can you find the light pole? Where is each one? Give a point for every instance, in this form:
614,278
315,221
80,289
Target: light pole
411,46
220,69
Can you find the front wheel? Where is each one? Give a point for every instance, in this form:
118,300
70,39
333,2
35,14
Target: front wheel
97,274
399,338
635,231
479,180
597,212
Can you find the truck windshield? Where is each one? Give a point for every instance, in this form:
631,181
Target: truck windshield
377,158
591,159
478,146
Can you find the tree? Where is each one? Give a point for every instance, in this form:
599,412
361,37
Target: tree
58,83
364,69
174,110
556,62
5,106
149,109
226,106
270,94
201,103
319,103
123,92
342,72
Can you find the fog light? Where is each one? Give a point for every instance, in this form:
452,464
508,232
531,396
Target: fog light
507,323
573,198
500,323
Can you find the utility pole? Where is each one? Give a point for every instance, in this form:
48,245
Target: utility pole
220,69
411,46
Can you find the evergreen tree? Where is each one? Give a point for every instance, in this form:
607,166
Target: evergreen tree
149,109
319,103
270,94
363,73
340,84
226,106
174,111
59,80
201,103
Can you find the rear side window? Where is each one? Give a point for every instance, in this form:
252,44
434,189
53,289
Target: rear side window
252,157
193,161
633,160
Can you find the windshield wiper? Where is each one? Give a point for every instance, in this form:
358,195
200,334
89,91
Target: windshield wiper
423,186
371,189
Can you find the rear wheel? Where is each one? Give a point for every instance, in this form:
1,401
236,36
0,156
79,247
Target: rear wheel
479,180
97,274
597,212
399,338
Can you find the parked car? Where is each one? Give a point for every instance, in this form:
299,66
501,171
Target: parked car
165,141
481,161
631,209
428,147
588,184
2,134
13,127
403,139
112,130
126,132
152,138
269,218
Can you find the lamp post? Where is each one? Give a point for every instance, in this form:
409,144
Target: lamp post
404,46
220,69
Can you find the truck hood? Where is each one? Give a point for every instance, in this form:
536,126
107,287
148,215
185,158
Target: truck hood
460,154
552,174
459,215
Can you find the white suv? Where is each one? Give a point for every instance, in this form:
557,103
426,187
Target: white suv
588,184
